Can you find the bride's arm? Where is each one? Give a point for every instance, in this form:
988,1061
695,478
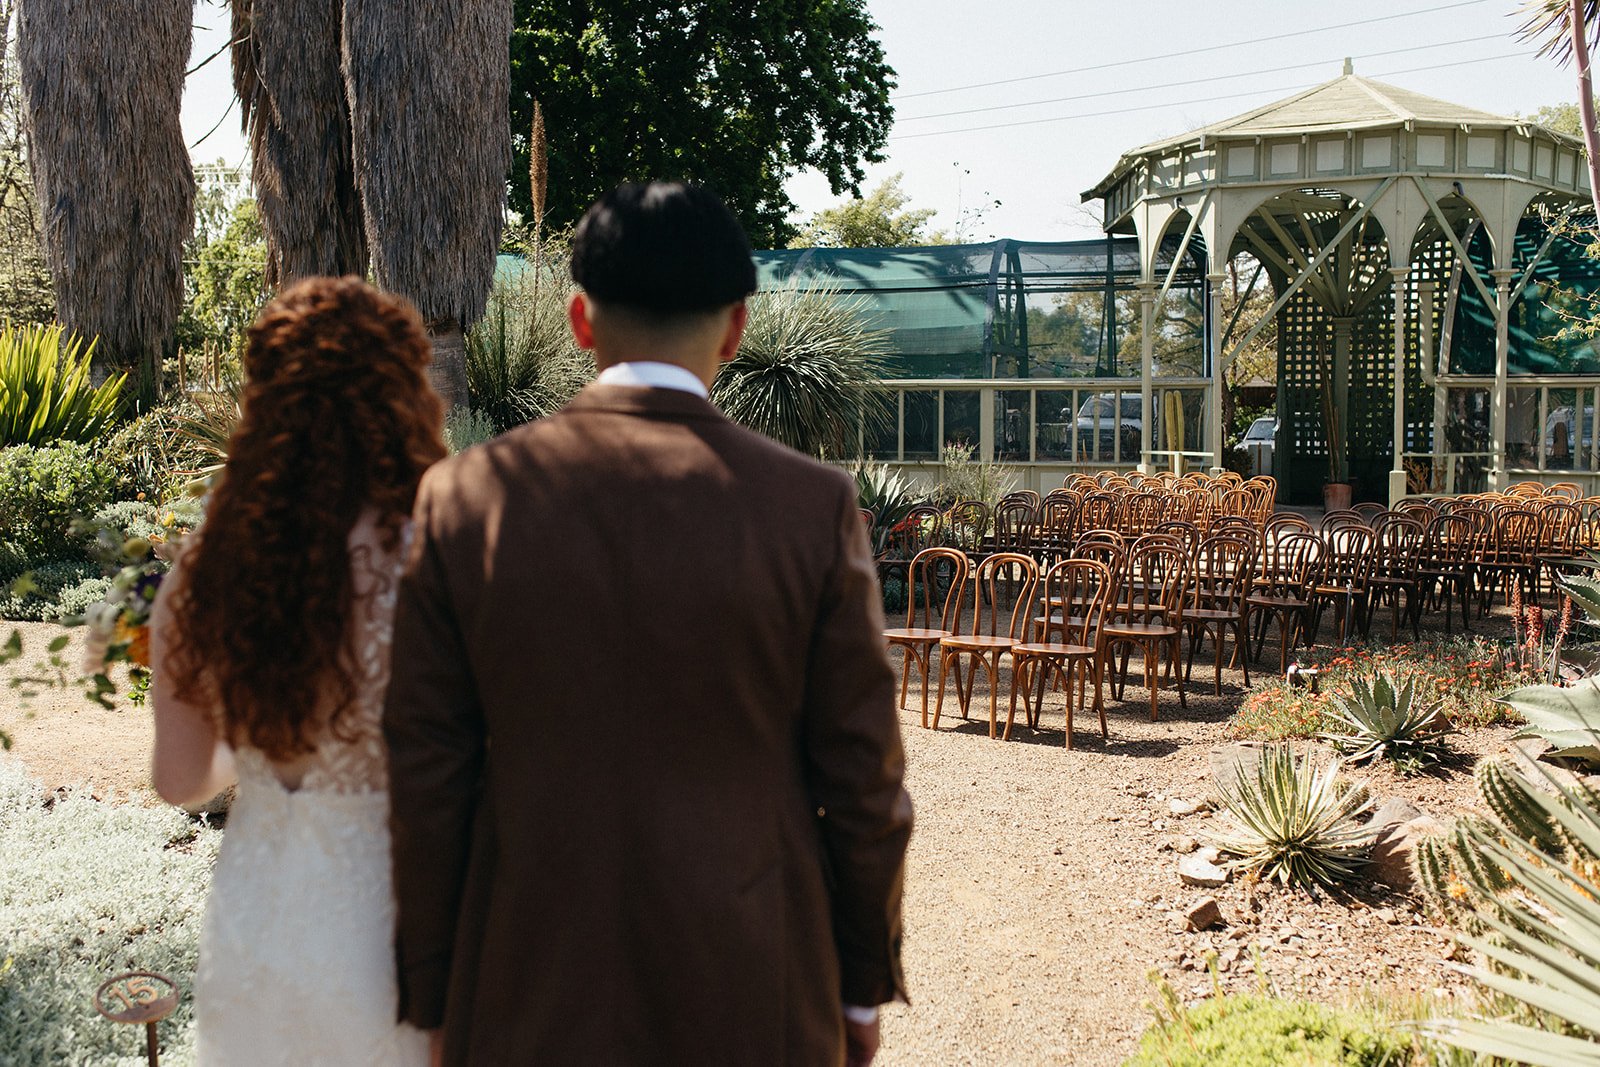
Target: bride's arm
190,764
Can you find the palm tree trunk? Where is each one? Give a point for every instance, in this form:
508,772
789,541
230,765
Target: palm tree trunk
428,83
1578,26
102,86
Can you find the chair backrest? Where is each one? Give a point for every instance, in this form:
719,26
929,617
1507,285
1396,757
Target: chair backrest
1369,511
1567,490
1014,522
1155,583
1283,524
1516,533
1142,511
1001,579
1083,589
1447,543
1290,562
936,576
1399,546
921,528
1238,501
1099,511
1526,489
1349,549
1058,521
1022,494
966,525
1559,524
1224,565
1422,510
1342,517
1186,533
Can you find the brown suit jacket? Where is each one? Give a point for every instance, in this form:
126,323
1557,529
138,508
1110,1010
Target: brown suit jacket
645,762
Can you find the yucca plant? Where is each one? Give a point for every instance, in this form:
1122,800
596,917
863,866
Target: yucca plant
808,371
45,391
1386,719
209,428
522,362
1295,820
1527,891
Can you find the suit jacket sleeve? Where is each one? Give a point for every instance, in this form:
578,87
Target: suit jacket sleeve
856,768
434,729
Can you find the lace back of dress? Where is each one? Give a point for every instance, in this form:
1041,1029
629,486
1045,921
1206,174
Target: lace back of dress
354,761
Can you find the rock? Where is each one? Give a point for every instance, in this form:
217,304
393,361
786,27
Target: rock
1386,915
1182,807
1390,861
1394,811
1184,845
1230,761
1203,915
1197,870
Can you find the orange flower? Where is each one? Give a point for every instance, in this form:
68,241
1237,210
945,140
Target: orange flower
137,638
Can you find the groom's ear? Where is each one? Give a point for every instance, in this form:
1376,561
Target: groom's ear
578,318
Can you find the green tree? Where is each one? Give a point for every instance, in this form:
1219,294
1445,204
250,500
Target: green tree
229,280
1562,118
878,220
735,96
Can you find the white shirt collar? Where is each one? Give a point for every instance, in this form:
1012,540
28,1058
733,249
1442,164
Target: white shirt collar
649,374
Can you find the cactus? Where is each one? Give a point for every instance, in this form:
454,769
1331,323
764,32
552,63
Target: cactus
1433,871
1507,796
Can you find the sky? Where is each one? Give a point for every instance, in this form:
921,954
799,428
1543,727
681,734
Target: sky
1030,102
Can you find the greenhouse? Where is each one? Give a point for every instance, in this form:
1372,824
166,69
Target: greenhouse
1028,352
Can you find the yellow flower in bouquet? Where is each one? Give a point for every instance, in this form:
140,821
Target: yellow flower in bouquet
136,636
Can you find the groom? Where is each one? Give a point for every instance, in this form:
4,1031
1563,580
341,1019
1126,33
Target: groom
645,763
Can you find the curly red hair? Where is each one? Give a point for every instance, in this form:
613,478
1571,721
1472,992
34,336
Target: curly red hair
337,417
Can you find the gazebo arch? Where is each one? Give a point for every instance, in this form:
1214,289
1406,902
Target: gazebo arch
1389,158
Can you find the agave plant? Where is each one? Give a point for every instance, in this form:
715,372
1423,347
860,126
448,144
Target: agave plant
1568,717
1535,922
887,495
1295,820
1383,718
45,391
808,371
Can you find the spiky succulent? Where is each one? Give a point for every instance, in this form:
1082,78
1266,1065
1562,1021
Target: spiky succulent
1295,820
1388,719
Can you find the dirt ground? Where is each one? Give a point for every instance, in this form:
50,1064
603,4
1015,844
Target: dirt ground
1042,894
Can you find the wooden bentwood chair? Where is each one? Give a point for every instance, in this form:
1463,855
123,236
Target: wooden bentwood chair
994,631
1083,588
931,570
1149,613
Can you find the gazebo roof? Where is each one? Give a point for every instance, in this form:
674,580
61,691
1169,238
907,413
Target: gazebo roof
1348,102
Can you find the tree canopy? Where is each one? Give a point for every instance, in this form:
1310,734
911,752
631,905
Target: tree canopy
736,97
878,220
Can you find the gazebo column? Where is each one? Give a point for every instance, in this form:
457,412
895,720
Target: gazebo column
1498,479
1147,358
1215,438
1397,470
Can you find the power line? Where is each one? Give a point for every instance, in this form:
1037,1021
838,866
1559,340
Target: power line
1191,100
1201,81
1193,51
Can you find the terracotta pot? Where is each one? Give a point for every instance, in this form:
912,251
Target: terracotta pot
1335,496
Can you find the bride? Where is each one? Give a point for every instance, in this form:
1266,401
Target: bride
270,647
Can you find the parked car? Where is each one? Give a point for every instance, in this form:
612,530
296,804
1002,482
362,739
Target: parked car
1259,441
1100,422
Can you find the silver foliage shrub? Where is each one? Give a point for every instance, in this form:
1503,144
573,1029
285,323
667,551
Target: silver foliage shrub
88,890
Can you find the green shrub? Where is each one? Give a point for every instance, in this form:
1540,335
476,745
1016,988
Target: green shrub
49,586
45,392
964,477
149,456
1266,1031
464,428
43,489
89,890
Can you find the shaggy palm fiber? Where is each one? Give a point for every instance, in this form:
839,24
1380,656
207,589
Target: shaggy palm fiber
429,85
286,72
102,84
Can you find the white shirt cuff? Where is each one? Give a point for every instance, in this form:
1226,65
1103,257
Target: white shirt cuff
860,1016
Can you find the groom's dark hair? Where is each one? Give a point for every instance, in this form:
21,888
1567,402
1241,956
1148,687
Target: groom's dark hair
665,248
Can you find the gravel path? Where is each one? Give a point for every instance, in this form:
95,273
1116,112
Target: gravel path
1042,892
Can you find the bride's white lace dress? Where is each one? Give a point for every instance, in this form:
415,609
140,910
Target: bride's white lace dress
297,963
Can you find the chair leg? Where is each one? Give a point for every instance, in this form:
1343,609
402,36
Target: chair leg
1238,640
1019,674
1071,669
924,658
905,674
1172,658
993,670
1150,676
938,708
